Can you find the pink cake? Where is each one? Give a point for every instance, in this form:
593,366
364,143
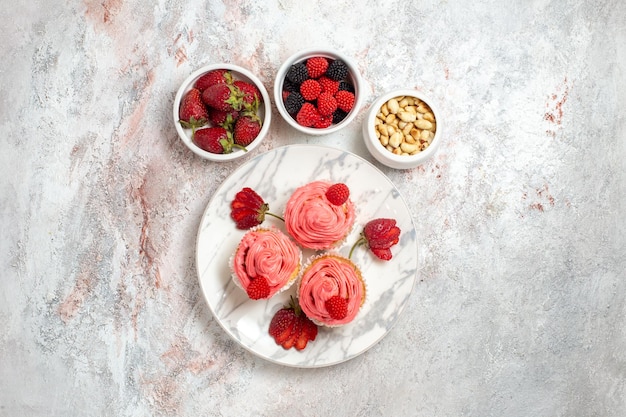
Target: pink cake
268,253
326,276
313,221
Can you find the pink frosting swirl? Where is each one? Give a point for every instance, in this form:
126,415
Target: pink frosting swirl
326,276
313,221
267,253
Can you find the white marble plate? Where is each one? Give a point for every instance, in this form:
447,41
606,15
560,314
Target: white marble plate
274,176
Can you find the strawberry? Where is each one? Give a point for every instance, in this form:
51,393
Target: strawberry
290,327
192,111
281,324
379,235
308,115
337,307
316,66
248,209
310,89
338,194
345,100
326,104
215,140
251,96
309,328
258,288
224,97
218,76
225,119
247,128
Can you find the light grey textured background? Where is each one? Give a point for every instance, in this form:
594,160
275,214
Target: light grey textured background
519,307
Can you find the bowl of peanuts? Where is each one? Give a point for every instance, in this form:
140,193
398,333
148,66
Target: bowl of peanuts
402,129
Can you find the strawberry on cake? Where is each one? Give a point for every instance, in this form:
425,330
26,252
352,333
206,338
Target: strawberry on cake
265,262
331,290
319,215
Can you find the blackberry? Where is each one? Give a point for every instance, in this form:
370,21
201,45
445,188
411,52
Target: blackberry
289,86
337,70
294,102
339,115
297,73
346,86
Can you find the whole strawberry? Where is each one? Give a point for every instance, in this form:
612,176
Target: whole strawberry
247,128
218,76
214,139
225,119
192,111
379,235
290,327
224,97
251,96
248,209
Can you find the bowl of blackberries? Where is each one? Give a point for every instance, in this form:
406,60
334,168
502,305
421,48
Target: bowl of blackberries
318,91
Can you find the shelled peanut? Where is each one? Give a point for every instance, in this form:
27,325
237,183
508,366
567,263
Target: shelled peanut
405,125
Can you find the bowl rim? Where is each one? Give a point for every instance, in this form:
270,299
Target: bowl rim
379,151
299,56
242,73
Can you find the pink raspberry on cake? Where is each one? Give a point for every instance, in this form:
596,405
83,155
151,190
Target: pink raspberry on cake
313,221
331,290
265,254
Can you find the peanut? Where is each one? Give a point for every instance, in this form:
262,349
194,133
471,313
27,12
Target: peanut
405,125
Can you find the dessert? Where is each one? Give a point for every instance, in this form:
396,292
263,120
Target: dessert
265,256
331,290
313,221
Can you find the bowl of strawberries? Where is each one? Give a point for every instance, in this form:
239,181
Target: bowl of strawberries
318,91
222,112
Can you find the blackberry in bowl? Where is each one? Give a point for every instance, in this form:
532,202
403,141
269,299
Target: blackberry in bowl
318,91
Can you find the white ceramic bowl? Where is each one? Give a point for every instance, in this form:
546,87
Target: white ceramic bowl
264,112
380,152
354,76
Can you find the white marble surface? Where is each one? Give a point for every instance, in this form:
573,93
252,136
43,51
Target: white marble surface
519,308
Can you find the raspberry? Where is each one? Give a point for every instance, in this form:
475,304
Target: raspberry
337,70
337,307
258,288
346,85
310,89
345,100
339,115
326,104
297,73
316,66
328,85
337,194
293,103
308,115
323,122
